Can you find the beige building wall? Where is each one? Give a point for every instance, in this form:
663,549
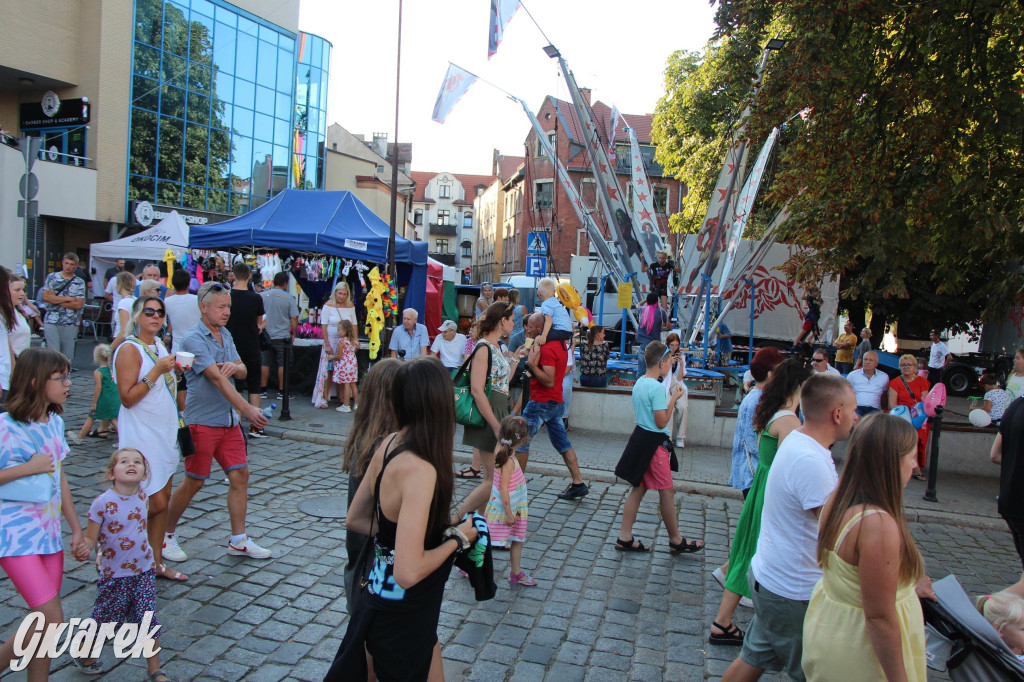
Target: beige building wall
43,37
489,211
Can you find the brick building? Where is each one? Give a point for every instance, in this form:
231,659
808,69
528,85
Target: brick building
538,203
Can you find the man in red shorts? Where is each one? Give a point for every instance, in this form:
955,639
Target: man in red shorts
212,409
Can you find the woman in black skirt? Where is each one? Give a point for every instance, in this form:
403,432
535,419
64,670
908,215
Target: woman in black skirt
403,503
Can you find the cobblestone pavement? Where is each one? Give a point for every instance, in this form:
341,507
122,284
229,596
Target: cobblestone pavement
597,614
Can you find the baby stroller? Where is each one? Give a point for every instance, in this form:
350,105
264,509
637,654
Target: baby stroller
961,642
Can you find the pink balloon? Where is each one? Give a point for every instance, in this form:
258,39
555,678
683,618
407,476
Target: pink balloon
935,398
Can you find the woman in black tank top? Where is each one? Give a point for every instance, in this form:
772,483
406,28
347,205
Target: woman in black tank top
398,595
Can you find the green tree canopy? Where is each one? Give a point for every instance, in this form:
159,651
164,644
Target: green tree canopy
907,180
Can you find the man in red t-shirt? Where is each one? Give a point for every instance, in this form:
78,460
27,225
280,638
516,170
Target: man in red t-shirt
547,364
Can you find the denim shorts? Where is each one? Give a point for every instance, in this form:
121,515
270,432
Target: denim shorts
550,415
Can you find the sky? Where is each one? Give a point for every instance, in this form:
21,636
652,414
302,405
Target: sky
618,49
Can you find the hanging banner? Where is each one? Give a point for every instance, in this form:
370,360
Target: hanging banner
501,14
613,130
456,82
645,218
745,204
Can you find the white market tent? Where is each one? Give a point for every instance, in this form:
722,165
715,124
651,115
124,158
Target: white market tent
150,245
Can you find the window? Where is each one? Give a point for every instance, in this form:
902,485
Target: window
467,219
543,194
588,193
446,191
441,246
467,249
661,200
380,168
417,216
552,140
444,217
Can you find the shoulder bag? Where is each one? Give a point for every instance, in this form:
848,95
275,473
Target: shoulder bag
466,411
35,488
185,444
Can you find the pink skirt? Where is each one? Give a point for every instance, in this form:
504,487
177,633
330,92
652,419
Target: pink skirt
659,472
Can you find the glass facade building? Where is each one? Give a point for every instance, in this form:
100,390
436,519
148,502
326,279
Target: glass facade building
227,109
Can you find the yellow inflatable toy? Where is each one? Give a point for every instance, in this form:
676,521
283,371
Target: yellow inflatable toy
375,311
169,262
570,298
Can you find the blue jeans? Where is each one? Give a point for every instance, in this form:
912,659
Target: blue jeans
864,410
550,415
594,381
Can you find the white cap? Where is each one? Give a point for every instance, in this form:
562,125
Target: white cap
447,325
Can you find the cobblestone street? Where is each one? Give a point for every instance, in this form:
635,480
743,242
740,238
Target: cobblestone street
597,614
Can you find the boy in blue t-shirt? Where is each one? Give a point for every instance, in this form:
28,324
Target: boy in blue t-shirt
557,325
653,411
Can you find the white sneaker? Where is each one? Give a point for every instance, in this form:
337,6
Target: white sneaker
679,442
746,602
344,408
250,549
172,550
719,575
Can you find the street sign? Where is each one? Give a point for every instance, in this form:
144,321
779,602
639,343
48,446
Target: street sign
30,207
536,266
537,244
28,186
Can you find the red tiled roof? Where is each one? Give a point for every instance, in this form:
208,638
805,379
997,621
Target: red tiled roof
508,165
469,184
640,123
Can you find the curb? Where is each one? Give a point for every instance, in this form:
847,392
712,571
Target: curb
463,455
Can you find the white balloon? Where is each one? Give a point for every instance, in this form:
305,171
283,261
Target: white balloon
979,418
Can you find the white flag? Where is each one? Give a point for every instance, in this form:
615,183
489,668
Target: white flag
456,82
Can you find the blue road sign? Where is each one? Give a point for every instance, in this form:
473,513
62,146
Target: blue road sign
536,266
537,243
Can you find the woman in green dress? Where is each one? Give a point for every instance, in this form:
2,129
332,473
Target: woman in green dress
774,418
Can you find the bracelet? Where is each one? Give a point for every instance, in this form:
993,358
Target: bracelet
453,533
149,383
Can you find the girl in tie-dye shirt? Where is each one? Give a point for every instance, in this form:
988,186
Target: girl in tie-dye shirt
32,442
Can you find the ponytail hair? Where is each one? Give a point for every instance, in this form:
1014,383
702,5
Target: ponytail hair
511,433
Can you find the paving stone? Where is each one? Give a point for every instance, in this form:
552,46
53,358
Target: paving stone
290,653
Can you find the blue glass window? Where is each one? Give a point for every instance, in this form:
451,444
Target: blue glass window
220,114
141,188
142,159
267,66
224,87
226,16
264,100
285,69
268,35
243,121
264,129
175,70
284,106
168,193
172,101
145,93
147,61
282,131
198,108
170,146
224,39
247,26
199,79
148,18
200,44
175,29
203,6
245,94
245,61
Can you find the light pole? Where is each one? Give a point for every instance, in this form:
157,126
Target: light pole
392,268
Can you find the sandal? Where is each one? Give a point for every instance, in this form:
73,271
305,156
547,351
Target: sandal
159,674
98,434
468,472
94,668
919,477
522,579
731,636
162,572
685,547
631,545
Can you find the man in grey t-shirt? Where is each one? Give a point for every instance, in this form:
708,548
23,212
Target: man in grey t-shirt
281,314
64,295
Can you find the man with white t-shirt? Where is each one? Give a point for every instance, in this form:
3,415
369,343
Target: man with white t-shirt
450,346
182,314
938,359
785,569
869,384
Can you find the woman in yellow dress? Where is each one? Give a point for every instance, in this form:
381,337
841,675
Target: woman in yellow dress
864,621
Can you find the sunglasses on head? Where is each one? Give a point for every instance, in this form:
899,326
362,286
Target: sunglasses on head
216,288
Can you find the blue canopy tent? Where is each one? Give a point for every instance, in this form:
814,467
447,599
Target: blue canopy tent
333,223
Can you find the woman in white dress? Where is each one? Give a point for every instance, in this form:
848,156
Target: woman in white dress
338,308
148,420
125,285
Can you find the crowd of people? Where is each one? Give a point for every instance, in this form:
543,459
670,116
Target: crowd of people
826,560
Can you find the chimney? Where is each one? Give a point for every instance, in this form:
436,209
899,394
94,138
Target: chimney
585,92
494,162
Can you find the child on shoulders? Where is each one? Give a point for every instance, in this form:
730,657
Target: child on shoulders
557,325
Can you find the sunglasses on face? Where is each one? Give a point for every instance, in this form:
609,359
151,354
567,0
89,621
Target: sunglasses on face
818,359
153,312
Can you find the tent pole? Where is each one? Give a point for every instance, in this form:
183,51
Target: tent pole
392,269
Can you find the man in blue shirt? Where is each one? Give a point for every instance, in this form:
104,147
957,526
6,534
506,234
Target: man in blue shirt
724,343
151,272
410,340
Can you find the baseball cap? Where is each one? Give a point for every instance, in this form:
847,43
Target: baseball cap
447,325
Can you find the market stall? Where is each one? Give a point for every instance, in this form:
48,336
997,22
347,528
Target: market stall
148,246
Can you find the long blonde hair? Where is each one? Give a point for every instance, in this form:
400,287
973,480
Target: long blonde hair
872,477
1001,609
348,293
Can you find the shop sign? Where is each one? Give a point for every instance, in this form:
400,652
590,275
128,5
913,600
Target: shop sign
144,214
52,112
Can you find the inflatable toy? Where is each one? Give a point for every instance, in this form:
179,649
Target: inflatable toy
375,311
935,398
901,411
979,418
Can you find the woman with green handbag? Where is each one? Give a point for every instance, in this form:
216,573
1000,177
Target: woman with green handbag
488,385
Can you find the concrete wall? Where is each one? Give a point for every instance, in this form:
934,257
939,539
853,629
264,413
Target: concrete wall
963,450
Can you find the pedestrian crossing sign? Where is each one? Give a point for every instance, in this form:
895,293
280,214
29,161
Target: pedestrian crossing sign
537,244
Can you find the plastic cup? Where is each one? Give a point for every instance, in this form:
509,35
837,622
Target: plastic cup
184,359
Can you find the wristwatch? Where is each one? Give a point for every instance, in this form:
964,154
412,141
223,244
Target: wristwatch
149,383
453,532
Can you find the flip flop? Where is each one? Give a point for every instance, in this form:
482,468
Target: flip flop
631,545
468,472
920,477
162,572
685,547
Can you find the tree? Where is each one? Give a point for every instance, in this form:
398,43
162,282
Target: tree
908,177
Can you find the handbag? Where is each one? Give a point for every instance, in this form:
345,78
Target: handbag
35,488
918,408
185,443
265,343
466,411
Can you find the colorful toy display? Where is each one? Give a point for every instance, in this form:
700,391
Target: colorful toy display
375,311
570,298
